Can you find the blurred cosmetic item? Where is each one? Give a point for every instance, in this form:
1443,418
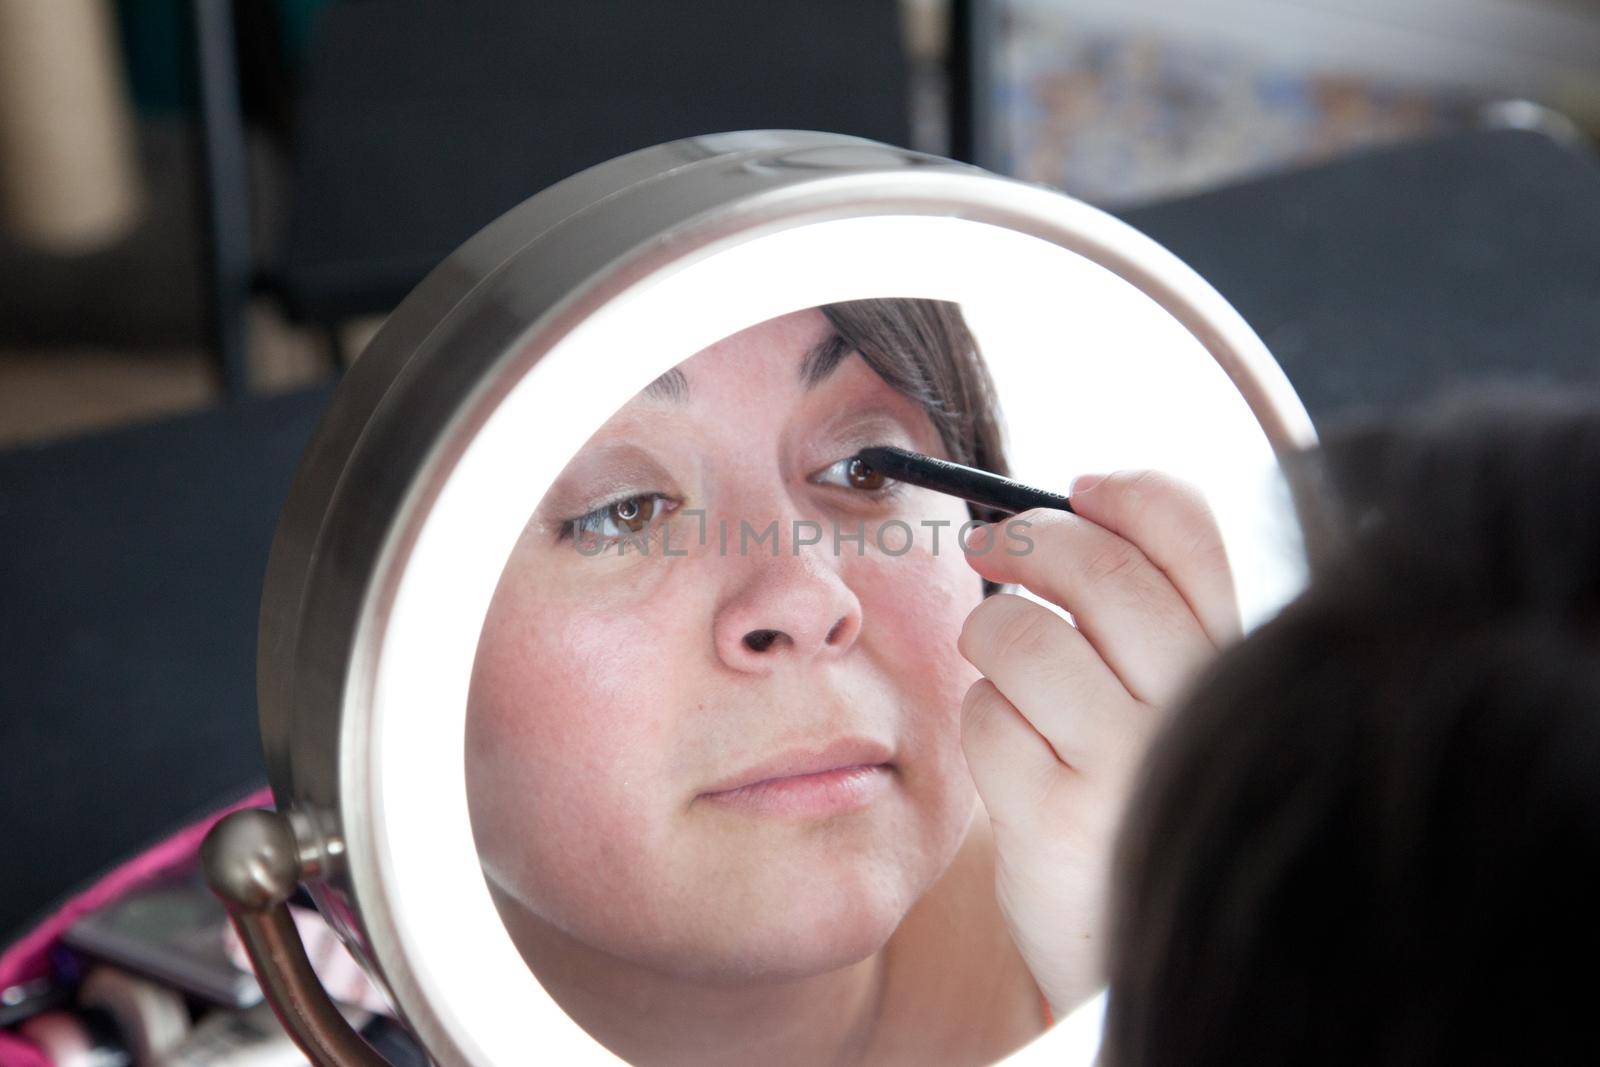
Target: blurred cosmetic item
252,1038
151,1018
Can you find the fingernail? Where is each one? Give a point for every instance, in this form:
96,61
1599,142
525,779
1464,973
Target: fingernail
1085,482
977,540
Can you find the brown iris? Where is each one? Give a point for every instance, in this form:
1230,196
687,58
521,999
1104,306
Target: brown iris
862,476
634,513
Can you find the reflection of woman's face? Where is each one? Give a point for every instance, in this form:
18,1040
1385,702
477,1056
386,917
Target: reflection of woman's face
619,700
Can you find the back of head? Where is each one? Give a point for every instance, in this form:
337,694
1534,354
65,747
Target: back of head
1485,502
1369,834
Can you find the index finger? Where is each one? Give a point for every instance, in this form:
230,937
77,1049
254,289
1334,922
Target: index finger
1120,600
1173,525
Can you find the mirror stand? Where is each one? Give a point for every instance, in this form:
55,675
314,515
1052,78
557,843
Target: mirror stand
253,861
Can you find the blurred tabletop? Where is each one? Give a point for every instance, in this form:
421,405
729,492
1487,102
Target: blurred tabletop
131,562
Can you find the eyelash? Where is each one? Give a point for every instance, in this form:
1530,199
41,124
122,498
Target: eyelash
570,528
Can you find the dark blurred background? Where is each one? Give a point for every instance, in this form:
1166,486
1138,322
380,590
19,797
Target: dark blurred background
207,207
153,261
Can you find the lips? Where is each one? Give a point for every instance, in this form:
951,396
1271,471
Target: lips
842,755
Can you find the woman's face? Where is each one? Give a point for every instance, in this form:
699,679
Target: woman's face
620,699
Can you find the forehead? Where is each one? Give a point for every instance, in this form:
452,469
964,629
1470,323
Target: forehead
797,329
802,344
761,379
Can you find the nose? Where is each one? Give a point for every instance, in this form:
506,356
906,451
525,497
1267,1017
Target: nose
785,608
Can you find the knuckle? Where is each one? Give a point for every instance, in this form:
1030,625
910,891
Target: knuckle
1040,518
1113,561
978,711
1148,485
1208,555
1169,499
1185,509
1128,493
978,632
1202,540
1191,513
967,641
980,695
975,630
1024,631
1143,482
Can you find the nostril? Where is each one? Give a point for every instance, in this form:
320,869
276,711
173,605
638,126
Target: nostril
760,640
833,634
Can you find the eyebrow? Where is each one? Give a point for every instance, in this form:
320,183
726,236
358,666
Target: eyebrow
818,362
670,386
823,356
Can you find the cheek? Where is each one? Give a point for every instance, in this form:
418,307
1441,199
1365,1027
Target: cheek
913,608
567,703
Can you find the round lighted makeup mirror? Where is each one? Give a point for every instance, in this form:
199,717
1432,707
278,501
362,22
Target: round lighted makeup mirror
491,740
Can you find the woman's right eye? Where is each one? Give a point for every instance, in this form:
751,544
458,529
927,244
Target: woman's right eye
620,518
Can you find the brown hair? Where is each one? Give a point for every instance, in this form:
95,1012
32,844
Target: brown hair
924,350
1360,838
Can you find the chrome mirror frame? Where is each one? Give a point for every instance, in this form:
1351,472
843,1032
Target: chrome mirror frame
418,395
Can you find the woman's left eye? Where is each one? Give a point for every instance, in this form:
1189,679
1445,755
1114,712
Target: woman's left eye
853,473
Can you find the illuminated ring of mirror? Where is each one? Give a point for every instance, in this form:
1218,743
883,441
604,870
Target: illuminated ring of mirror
451,426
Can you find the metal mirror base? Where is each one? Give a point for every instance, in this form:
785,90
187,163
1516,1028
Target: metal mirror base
253,862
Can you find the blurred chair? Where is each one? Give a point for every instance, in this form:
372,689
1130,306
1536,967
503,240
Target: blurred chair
416,123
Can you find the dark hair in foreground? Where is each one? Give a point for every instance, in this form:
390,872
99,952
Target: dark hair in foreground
1371,835
924,350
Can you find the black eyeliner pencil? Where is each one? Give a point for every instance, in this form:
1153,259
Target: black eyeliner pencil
968,483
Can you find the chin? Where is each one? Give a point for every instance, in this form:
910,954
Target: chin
762,956
803,930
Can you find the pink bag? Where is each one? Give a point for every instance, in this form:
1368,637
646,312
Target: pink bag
29,957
